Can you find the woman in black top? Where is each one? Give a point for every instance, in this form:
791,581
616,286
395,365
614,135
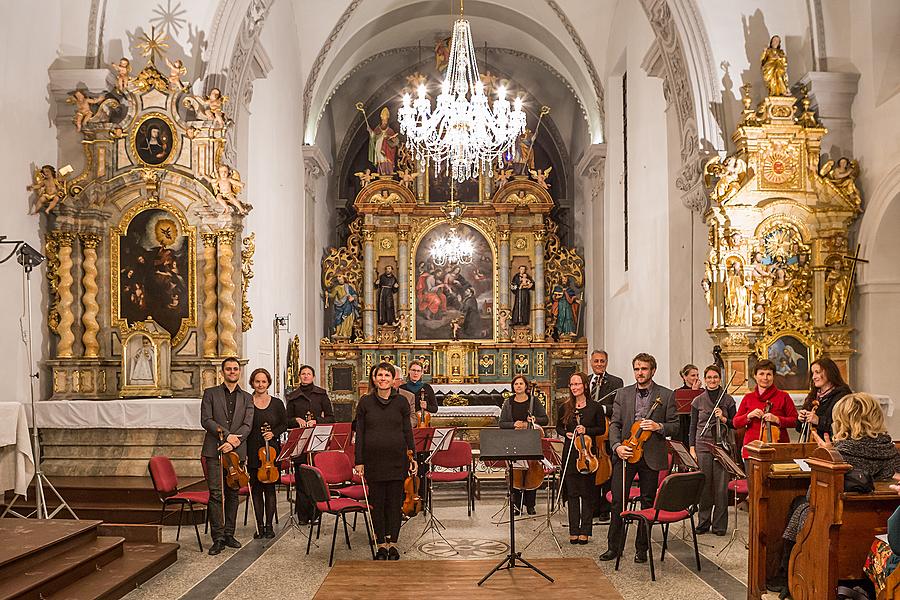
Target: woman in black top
383,437
827,387
577,416
515,415
269,414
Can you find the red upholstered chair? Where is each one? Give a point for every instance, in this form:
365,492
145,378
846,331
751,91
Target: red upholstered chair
739,487
165,482
315,486
338,472
457,456
676,500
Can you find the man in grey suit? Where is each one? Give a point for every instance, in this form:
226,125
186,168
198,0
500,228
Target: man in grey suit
227,409
653,406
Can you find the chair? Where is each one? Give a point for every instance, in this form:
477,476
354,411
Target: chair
739,487
315,486
457,456
338,472
676,500
165,482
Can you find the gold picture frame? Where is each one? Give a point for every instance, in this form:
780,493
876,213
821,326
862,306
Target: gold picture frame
792,352
168,138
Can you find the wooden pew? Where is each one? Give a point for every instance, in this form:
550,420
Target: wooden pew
770,498
891,589
838,532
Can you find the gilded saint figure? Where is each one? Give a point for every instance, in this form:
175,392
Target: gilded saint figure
774,68
735,295
522,286
837,297
345,303
386,287
383,142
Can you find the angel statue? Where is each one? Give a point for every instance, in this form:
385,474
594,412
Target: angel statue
177,70
227,186
209,108
843,176
773,63
731,171
50,187
541,176
84,113
122,69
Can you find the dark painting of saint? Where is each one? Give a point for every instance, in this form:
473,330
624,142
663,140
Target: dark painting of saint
153,141
439,188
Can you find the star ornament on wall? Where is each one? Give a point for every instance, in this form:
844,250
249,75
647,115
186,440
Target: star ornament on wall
169,18
153,45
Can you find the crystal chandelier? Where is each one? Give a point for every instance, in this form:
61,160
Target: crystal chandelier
462,134
452,249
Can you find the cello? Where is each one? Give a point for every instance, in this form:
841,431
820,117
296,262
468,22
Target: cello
768,433
532,477
638,436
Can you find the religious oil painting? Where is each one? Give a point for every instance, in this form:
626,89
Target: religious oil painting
791,357
454,291
439,183
155,271
153,140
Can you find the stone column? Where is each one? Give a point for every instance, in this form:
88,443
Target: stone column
210,339
227,324
832,96
368,284
403,279
538,308
89,242
65,347
503,275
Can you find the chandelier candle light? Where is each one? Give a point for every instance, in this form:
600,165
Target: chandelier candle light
462,134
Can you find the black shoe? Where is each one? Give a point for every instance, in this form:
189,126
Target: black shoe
393,553
583,542
516,512
609,555
216,548
777,583
231,542
720,533
603,518
269,532
573,541
259,534
640,557
701,530
530,510
382,554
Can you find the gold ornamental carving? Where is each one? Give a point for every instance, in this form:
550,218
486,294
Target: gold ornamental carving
248,249
65,346
51,249
227,307
780,166
210,337
561,263
89,242
292,374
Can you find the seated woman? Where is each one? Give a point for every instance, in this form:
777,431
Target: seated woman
826,388
862,440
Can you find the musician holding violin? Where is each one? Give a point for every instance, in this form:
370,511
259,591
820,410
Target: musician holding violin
766,409
643,416
425,403
384,451
522,411
712,413
227,411
269,422
578,421
827,386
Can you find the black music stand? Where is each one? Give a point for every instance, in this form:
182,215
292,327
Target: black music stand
554,459
296,444
431,440
735,471
511,445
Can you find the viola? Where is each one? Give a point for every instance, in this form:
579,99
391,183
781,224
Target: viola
235,475
587,462
638,436
412,502
267,472
604,462
768,432
807,424
423,417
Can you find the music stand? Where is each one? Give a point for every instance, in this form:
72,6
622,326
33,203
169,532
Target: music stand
735,471
554,460
431,440
511,445
321,436
340,436
682,458
298,439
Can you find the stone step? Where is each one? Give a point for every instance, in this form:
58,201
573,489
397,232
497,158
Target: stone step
118,437
133,467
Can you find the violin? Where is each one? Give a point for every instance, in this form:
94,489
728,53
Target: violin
604,461
412,502
768,432
531,477
638,436
423,417
586,463
309,417
267,472
235,475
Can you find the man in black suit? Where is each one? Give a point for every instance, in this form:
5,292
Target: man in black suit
227,409
653,406
602,389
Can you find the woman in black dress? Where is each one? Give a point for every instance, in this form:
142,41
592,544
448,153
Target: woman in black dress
826,388
515,415
577,415
269,422
383,437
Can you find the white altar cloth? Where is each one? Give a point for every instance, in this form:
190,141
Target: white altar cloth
16,459
137,413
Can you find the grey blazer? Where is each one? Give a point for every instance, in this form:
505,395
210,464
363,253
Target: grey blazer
214,416
655,449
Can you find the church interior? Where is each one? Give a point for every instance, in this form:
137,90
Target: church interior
597,283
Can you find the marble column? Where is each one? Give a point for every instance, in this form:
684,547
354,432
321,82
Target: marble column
403,279
503,276
368,284
227,306
65,347
89,242
210,302
539,293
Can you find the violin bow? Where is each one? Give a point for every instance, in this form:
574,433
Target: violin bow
221,469
716,405
368,509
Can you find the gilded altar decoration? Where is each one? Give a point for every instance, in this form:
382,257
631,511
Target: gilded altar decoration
842,176
146,359
292,377
731,172
51,249
210,108
341,280
248,249
50,187
227,185
84,113
773,64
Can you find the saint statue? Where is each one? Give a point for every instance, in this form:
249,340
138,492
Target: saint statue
735,295
564,308
837,297
142,364
383,142
386,287
774,68
522,287
346,307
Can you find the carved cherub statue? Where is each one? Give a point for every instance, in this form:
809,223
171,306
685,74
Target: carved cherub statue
366,177
122,69
209,108
408,178
501,176
84,113
49,186
541,176
843,175
227,186
177,70
731,172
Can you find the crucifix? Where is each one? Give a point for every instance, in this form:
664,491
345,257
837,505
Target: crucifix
855,260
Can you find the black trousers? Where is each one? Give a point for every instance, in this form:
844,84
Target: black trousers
649,483
220,526
580,496
522,498
386,500
263,500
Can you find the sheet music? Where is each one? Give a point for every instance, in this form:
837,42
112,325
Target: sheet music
300,448
320,436
441,438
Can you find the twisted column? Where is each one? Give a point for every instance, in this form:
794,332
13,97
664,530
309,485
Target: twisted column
89,243
210,339
64,348
227,324
539,293
368,284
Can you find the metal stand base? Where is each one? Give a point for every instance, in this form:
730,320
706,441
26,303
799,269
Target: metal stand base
432,523
735,533
40,510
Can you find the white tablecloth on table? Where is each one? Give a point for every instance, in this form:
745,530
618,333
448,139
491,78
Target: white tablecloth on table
138,413
468,411
16,459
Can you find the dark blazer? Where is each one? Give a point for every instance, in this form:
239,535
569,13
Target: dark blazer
610,384
537,410
214,416
825,408
655,449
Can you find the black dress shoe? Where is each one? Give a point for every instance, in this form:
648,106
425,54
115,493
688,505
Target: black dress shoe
701,530
393,553
269,532
640,557
530,510
216,548
720,533
609,555
231,542
382,554
583,542
603,518
261,533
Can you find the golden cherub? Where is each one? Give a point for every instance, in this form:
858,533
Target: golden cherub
366,177
541,176
209,108
49,186
408,178
83,112
122,69
177,70
227,186
501,176
843,176
731,173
